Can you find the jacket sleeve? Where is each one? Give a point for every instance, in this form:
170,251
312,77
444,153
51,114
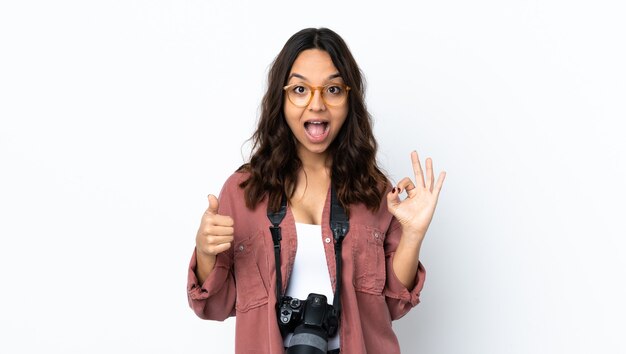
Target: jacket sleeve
400,299
215,298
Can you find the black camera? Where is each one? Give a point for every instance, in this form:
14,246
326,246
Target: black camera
312,321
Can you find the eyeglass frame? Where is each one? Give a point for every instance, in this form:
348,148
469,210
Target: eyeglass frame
316,88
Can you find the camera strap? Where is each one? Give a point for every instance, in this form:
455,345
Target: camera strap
276,218
339,225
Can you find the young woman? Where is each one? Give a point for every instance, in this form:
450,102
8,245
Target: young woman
314,136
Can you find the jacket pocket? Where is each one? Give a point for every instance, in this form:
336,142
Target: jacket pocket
369,260
251,291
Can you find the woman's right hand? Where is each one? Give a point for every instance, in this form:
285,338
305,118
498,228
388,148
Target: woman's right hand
215,234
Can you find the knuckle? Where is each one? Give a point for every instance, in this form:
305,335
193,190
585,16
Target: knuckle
207,220
208,250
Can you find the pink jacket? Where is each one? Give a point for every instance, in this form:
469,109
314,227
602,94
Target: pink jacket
242,284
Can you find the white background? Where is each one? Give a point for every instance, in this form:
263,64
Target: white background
119,117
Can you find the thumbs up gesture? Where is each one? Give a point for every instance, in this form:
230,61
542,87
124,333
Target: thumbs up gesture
215,234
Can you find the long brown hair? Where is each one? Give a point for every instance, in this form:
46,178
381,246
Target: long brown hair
274,163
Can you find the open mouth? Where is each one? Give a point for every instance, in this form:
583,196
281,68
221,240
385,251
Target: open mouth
316,129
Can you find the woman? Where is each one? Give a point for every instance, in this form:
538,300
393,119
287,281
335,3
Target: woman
314,133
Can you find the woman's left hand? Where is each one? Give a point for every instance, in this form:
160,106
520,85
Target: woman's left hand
416,211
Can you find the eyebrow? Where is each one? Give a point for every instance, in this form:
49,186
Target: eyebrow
304,78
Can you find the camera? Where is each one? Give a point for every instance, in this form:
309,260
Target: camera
312,321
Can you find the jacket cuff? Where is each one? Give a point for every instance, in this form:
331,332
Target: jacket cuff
395,289
211,285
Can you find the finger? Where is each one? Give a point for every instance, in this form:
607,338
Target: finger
417,169
393,198
218,220
213,204
217,249
440,179
218,231
406,184
430,176
218,240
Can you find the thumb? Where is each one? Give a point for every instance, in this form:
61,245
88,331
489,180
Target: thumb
213,204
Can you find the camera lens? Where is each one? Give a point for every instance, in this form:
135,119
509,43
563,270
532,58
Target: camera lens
308,340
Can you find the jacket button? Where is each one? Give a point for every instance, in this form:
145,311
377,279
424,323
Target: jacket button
327,240
241,247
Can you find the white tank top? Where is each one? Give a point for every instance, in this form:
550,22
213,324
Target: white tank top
310,271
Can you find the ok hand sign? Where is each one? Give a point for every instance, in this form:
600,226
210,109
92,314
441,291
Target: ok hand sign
416,211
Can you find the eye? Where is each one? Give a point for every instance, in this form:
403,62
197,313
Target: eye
300,90
334,90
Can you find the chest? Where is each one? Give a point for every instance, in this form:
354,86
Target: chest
307,203
308,209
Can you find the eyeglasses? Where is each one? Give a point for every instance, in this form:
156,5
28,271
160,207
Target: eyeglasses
300,94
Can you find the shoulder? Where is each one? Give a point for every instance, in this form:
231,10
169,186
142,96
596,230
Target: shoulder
232,200
359,213
236,178
233,203
232,183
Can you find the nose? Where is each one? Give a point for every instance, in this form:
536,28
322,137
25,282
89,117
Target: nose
317,102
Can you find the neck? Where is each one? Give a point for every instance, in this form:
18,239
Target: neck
313,161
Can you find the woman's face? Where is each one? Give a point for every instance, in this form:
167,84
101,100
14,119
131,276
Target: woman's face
316,125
